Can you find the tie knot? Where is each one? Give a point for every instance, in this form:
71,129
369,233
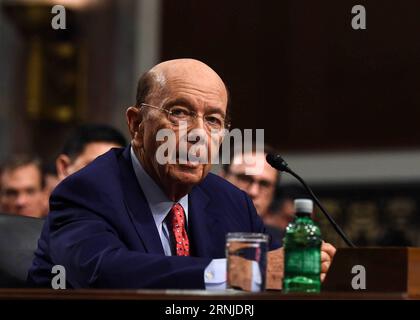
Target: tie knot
177,215
178,207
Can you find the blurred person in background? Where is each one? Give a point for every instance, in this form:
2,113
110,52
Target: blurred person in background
51,180
50,176
84,145
282,210
22,187
261,187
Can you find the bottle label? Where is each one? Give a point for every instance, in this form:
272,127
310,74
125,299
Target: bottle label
303,261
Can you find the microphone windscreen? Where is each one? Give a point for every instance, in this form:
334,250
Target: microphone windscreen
277,162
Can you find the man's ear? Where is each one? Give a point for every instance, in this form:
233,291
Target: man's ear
134,118
62,165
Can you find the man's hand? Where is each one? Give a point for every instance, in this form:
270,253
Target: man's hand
275,265
327,254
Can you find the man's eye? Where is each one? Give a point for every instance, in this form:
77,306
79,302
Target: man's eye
213,120
179,112
10,193
265,184
31,191
245,178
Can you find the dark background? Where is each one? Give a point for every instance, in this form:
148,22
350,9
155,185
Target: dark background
295,68
298,69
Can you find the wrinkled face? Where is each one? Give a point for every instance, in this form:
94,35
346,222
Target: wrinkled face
21,192
259,187
90,153
204,96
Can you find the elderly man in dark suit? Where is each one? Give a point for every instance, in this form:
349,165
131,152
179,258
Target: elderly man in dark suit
128,220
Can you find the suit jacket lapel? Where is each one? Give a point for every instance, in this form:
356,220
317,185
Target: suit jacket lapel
201,221
137,206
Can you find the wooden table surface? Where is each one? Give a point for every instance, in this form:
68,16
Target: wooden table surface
92,294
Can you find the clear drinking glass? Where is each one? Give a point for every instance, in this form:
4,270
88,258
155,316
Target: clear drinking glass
246,255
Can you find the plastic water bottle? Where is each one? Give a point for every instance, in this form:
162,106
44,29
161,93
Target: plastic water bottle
302,251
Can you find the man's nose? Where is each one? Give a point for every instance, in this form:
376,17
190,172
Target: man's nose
21,200
253,190
198,123
197,133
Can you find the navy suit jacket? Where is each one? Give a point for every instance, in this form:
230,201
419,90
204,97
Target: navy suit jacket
101,229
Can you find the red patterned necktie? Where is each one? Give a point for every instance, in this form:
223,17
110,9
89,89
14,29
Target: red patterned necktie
178,229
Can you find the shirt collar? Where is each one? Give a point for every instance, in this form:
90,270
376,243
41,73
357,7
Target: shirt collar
158,201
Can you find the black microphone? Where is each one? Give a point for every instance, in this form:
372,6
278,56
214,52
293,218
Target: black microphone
277,162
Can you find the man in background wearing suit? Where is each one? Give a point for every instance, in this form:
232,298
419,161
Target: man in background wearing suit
128,221
83,145
22,186
260,187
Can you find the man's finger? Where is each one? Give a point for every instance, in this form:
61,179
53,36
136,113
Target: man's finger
325,256
328,248
325,266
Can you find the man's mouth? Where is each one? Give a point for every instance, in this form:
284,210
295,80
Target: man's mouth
189,165
183,160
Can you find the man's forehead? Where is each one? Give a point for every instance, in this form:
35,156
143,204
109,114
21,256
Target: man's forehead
189,74
20,174
22,169
196,82
196,95
250,158
242,161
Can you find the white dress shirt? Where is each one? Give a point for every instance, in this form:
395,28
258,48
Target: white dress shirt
160,205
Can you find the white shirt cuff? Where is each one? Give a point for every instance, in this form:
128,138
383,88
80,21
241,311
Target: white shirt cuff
215,275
